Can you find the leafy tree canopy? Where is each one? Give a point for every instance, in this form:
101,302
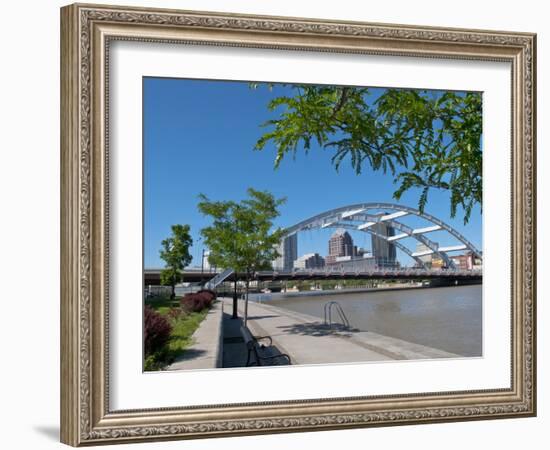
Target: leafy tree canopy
241,235
425,139
169,276
175,253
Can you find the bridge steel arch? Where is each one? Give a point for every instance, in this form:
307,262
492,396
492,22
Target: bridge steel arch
344,217
409,232
397,244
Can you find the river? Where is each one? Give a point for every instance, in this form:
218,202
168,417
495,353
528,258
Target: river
448,318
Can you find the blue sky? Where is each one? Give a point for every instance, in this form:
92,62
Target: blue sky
199,137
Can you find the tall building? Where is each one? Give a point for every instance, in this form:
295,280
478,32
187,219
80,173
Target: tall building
288,251
340,244
205,263
358,264
384,252
464,262
310,261
425,253
428,257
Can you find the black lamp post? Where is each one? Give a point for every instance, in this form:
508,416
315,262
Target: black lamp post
202,267
235,314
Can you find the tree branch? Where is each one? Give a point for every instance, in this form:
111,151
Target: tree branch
341,102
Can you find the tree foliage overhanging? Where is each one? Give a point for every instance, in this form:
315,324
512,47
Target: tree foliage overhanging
425,139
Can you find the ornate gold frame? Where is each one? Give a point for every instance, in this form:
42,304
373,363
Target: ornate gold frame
86,31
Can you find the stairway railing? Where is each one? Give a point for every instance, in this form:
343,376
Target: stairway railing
219,279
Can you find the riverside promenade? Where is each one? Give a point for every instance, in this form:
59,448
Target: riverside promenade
308,341
207,348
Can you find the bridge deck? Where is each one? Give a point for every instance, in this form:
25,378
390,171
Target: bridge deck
152,277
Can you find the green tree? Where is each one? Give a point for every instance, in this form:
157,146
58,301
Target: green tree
425,139
241,236
175,253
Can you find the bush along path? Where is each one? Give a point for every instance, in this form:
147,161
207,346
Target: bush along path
169,326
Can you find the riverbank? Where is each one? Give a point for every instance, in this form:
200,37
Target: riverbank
290,294
308,341
448,318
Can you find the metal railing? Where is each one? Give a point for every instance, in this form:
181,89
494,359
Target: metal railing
219,278
379,271
339,310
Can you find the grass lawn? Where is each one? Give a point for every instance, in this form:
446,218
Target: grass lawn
183,327
162,304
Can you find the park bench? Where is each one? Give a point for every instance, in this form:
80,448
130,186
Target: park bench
263,354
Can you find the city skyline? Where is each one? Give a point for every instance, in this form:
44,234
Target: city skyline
194,143
464,260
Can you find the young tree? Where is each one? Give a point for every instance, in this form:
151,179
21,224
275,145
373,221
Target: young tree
241,235
426,139
175,253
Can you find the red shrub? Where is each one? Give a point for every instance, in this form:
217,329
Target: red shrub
192,303
198,301
156,331
188,302
175,313
208,291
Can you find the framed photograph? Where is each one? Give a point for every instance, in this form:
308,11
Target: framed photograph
280,224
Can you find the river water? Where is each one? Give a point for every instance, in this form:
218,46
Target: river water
448,318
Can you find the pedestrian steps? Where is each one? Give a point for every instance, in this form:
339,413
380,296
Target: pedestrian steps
219,279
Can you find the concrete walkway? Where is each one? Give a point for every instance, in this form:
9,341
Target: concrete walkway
206,351
234,348
308,341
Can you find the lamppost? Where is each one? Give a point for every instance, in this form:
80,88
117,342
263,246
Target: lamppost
235,314
202,267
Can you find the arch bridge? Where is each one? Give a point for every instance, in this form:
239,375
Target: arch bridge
366,217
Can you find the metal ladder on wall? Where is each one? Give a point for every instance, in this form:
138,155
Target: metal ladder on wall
328,314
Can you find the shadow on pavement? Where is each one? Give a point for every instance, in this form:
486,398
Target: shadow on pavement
318,329
267,316
189,354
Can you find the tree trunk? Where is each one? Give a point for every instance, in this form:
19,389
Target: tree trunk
173,294
246,298
235,313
